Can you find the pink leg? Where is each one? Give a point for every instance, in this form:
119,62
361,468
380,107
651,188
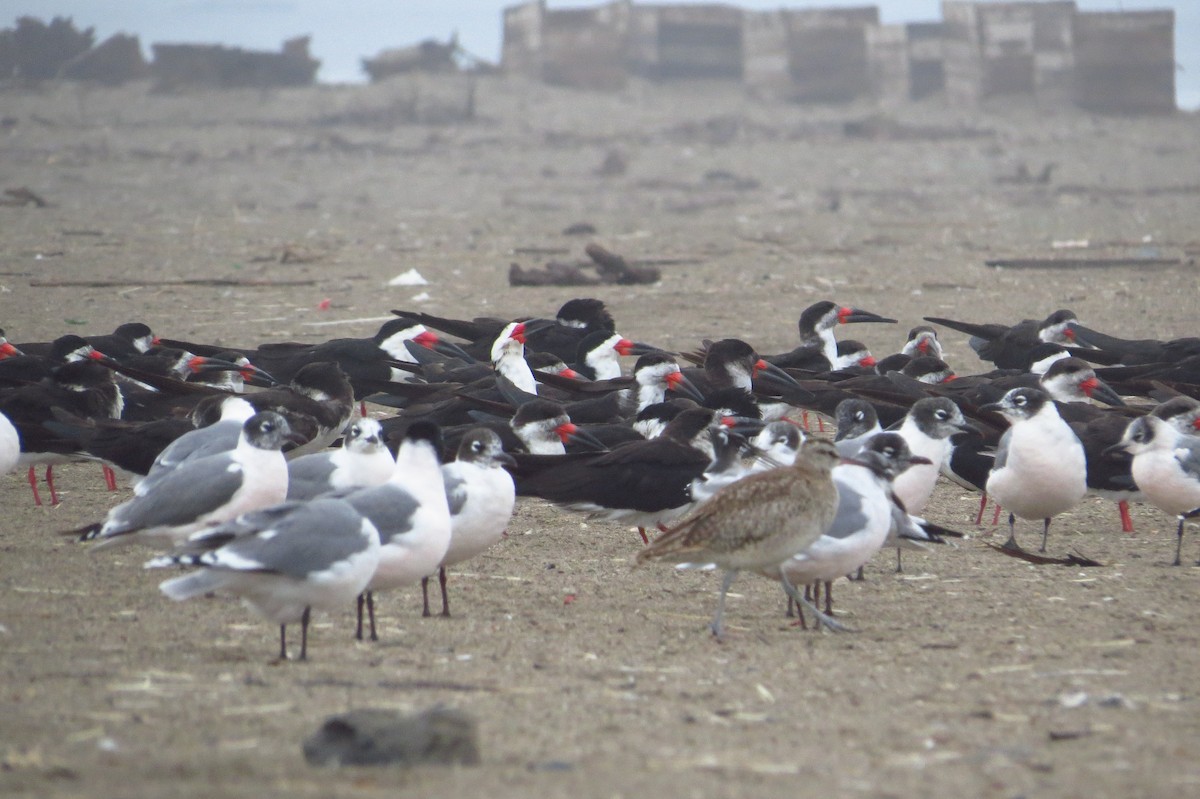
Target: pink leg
37,499
996,517
982,508
1126,519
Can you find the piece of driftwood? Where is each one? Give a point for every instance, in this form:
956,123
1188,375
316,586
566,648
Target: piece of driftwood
24,196
552,274
195,281
609,268
1082,263
615,269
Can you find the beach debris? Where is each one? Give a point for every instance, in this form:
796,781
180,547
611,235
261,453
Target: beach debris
410,278
609,269
23,196
375,737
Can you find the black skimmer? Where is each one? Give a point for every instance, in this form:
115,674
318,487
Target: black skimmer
560,336
480,495
203,492
1166,467
412,515
922,340
283,561
598,357
318,403
368,363
756,524
654,375
7,349
1131,352
128,340
82,388
1040,469
21,370
817,351
1008,346
643,482
362,461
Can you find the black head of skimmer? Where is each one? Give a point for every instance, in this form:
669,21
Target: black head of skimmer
598,355
817,351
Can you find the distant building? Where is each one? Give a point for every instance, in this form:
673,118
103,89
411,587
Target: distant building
1125,62
1043,50
1012,48
810,55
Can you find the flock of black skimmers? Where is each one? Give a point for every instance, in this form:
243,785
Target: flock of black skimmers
259,472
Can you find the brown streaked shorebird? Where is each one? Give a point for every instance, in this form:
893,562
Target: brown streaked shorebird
757,523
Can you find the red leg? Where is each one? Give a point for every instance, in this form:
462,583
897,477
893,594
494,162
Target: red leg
37,499
996,516
820,425
110,477
1126,519
642,533
50,482
982,508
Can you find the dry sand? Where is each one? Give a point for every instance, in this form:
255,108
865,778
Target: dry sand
972,674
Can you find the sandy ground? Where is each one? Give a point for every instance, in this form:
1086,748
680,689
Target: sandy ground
971,674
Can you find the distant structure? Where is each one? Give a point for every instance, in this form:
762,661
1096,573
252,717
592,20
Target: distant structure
1046,51
177,66
36,51
426,56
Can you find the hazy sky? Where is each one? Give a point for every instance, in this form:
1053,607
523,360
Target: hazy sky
343,31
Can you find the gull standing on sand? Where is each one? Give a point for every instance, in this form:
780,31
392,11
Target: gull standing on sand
480,495
1040,469
412,516
865,517
203,492
283,561
1166,467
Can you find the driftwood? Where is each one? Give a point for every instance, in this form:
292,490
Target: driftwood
610,269
23,196
1082,263
195,281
